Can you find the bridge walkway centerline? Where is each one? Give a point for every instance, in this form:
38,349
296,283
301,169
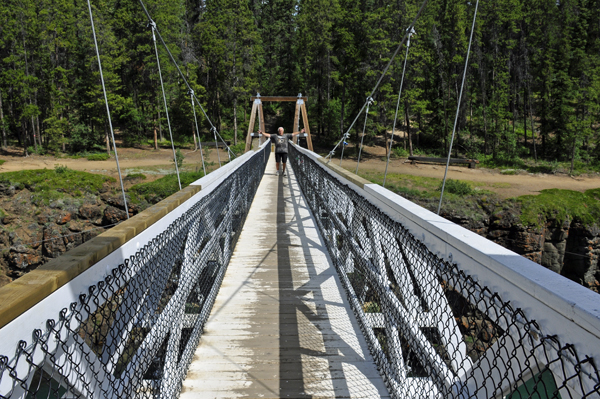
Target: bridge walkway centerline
281,325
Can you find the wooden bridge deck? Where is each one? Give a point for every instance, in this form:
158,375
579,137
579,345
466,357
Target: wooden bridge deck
281,326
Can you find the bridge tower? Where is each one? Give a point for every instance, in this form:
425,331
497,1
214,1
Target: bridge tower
257,109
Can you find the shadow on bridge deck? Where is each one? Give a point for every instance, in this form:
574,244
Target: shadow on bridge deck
281,325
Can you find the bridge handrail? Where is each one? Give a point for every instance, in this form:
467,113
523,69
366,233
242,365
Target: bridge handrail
563,310
29,307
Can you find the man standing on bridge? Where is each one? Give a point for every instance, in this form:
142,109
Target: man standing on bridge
281,146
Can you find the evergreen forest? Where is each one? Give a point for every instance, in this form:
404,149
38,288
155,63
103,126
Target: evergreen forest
532,86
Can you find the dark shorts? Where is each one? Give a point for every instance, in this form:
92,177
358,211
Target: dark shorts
281,157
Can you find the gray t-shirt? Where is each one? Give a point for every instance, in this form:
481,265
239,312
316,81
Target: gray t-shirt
281,142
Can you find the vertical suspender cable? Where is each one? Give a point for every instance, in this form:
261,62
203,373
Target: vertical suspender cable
153,25
458,107
369,102
197,131
214,130
112,134
412,32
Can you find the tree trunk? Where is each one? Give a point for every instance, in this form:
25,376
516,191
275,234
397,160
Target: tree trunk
155,135
35,146
343,108
525,121
573,152
235,129
107,139
2,123
159,124
408,133
62,136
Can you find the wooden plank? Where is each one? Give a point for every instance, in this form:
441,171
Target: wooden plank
281,326
306,127
278,98
471,162
251,127
296,127
261,122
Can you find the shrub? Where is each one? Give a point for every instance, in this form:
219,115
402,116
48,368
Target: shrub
400,152
238,148
179,157
456,187
135,176
60,169
98,157
160,189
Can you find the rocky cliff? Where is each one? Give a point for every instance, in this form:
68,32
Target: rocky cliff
567,247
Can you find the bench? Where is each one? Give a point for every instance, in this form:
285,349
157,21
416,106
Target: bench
471,162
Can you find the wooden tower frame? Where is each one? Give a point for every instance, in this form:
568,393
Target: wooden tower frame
257,109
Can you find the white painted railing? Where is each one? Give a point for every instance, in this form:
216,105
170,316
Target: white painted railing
413,262
99,335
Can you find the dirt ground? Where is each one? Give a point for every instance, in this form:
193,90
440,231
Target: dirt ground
157,163
506,186
152,163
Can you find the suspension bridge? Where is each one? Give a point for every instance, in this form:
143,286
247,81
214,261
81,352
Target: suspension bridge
317,284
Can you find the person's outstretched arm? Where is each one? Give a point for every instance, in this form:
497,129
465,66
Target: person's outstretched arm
263,133
297,133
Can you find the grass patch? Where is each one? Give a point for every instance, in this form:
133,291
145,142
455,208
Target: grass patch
98,157
160,189
135,176
457,187
61,179
560,205
2,161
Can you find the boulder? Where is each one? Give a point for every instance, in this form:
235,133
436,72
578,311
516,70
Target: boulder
63,218
90,212
113,215
54,244
23,257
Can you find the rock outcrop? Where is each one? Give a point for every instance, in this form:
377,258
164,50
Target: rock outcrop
567,247
30,235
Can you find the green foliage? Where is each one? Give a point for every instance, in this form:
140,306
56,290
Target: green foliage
101,156
135,176
238,149
400,152
61,179
179,157
560,205
160,189
457,187
528,57
2,161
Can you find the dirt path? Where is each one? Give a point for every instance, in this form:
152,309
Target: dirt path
152,163
155,164
506,186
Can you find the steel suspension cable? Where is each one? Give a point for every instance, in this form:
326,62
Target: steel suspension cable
112,134
165,101
397,106
197,131
214,130
151,22
406,35
363,134
458,106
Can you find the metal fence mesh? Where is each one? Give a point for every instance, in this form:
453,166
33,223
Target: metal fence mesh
134,333
433,331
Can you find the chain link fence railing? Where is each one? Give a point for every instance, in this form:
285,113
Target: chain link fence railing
133,334
433,330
